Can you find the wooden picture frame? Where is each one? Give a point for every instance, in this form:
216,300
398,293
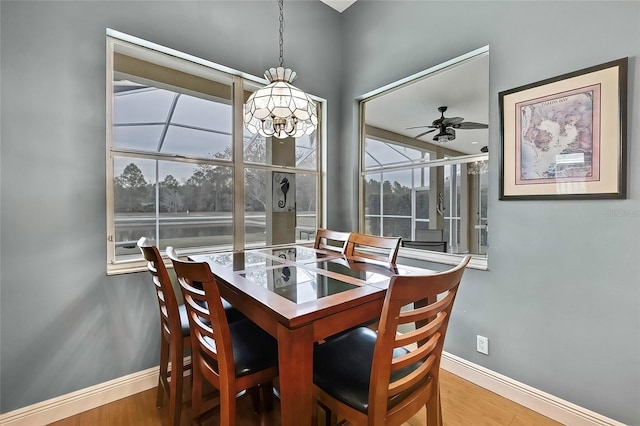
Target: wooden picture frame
565,137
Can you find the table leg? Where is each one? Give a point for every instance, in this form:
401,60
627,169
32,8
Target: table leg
295,360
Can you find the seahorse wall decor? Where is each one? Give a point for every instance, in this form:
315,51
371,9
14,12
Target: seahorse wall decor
284,190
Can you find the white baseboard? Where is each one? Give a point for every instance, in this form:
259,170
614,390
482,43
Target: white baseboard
74,403
548,405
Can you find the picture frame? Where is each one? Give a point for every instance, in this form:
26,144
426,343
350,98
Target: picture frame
565,137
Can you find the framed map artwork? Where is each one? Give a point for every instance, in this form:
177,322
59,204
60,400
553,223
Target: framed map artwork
565,137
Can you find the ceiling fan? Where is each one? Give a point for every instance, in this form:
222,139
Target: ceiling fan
446,126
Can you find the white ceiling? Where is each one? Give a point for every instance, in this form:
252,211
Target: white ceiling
339,5
462,87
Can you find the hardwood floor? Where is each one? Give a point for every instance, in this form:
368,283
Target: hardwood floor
463,403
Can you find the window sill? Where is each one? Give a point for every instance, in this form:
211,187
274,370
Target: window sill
477,261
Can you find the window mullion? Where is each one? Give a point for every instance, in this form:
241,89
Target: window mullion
237,103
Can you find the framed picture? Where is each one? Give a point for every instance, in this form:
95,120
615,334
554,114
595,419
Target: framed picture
565,137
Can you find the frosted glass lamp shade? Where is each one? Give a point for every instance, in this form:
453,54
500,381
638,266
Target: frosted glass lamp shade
280,109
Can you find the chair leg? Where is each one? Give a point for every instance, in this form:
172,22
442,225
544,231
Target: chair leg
439,405
175,393
434,416
329,417
196,391
267,395
164,367
254,393
227,408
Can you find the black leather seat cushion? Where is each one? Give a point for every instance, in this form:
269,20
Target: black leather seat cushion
253,348
342,366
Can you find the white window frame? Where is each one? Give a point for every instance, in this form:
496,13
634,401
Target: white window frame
120,42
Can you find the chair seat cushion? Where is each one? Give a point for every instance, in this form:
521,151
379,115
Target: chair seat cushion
253,348
342,367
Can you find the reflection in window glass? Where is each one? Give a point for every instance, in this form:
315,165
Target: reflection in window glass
397,227
396,190
426,203
379,153
372,225
372,194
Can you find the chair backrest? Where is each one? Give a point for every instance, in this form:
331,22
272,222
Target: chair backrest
327,239
359,241
167,301
395,394
208,323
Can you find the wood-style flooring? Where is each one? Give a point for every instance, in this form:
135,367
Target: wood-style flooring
463,403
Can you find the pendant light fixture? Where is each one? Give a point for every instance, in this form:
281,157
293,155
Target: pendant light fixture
280,109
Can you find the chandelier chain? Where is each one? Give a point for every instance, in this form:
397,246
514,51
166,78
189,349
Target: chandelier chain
281,6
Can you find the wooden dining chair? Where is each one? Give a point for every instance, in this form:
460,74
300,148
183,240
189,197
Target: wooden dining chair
385,377
357,242
327,239
174,333
230,356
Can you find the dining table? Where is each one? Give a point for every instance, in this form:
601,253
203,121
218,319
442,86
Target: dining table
301,296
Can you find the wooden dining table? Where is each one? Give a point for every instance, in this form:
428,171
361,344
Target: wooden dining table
300,296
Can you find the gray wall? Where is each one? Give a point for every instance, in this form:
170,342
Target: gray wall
561,301
560,304
64,324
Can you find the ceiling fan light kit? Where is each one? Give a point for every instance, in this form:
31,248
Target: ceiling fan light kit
445,135
446,126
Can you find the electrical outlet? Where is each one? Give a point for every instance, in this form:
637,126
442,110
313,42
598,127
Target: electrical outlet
482,344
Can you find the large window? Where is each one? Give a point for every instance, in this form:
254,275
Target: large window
182,170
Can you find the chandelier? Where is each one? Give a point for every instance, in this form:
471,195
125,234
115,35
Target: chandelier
280,109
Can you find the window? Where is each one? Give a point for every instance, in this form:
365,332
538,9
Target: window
424,166
182,170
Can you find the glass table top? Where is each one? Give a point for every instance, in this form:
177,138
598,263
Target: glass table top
297,284
298,254
237,261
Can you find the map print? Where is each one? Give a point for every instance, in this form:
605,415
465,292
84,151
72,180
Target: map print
559,137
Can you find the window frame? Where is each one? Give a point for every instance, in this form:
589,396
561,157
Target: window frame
240,82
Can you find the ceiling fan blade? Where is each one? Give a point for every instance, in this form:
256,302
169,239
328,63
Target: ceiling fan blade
452,120
471,125
419,127
424,133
